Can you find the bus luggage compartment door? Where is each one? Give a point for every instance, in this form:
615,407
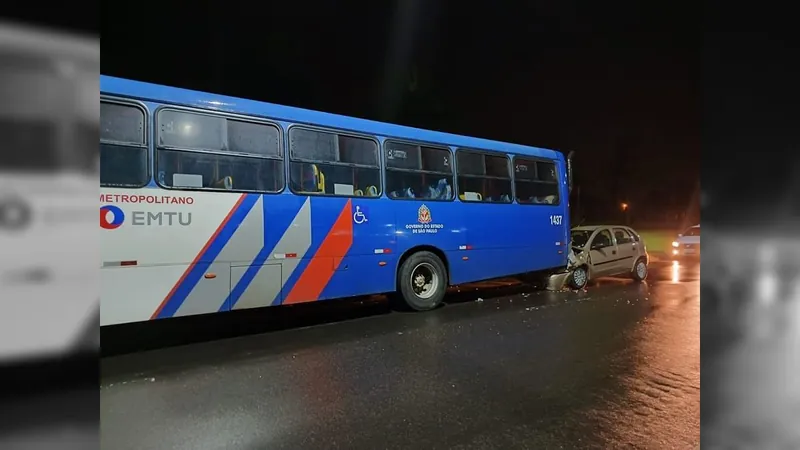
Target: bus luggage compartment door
254,286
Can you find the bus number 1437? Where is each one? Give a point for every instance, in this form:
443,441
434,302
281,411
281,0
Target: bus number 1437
555,220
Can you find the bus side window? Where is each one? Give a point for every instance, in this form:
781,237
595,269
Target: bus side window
418,172
123,148
327,163
535,182
205,151
483,177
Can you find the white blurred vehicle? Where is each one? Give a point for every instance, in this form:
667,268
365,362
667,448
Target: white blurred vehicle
49,110
687,244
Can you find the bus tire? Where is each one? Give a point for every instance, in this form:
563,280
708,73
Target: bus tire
422,281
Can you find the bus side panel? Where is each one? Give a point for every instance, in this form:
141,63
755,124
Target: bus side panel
360,275
134,294
285,224
496,240
342,261
175,248
368,267
438,224
544,236
441,225
253,286
510,239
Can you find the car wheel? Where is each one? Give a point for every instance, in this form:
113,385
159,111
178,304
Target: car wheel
578,278
639,272
422,281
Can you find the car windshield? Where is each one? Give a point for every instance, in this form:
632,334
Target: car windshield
580,237
694,231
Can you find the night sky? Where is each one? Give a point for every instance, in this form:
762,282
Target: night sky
617,86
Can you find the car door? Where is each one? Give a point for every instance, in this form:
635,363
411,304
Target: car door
602,253
626,250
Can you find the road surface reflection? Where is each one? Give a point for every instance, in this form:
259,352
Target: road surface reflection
616,365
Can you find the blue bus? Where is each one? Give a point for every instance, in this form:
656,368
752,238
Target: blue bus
211,203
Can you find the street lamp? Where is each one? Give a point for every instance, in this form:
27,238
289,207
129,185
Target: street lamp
624,207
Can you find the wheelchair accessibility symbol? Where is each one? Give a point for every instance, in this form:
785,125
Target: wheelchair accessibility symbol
358,216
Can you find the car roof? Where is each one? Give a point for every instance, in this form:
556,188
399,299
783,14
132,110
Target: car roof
594,227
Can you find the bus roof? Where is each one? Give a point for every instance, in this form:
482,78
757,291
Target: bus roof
166,94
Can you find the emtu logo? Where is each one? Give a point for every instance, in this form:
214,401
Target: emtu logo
117,217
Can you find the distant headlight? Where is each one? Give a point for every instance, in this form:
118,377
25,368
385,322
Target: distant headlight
675,244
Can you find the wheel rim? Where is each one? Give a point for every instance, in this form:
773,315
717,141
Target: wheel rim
641,269
579,276
424,280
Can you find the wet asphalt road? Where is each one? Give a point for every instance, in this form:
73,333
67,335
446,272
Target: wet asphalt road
617,366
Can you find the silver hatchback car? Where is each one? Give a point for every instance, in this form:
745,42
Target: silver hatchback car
606,250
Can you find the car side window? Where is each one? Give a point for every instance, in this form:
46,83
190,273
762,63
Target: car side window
622,236
602,239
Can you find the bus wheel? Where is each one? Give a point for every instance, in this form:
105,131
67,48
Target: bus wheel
422,281
578,278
